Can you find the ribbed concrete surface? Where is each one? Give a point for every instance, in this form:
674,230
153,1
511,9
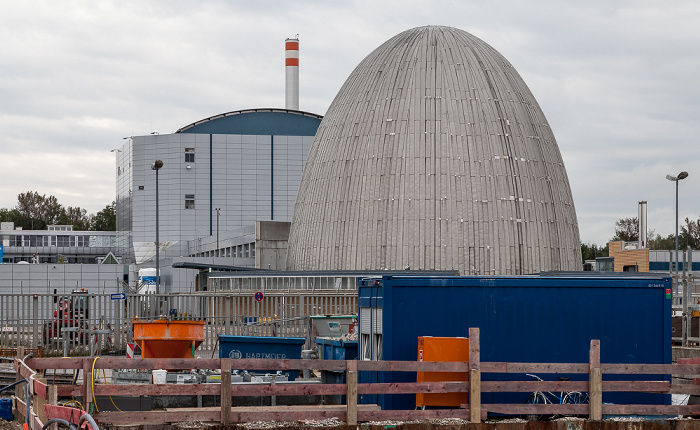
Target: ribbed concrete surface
434,154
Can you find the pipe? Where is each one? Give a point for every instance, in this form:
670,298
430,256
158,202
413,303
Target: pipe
12,385
58,421
90,420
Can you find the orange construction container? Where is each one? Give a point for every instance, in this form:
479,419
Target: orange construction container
442,349
168,339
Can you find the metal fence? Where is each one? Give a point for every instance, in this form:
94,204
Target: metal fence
82,323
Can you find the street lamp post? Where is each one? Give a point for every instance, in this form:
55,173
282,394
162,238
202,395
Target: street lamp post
218,210
156,166
675,179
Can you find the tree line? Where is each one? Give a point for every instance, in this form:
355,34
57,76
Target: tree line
36,211
627,229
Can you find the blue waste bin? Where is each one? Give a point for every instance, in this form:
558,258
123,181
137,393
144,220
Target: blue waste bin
336,349
272,348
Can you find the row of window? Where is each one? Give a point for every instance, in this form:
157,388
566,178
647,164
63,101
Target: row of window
83,241
241,251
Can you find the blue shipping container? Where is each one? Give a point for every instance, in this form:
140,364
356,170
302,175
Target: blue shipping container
521,319
275,348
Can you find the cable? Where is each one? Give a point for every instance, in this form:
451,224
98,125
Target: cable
73,402
12,385
94,400
58,421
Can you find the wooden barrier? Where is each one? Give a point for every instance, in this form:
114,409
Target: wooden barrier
352,413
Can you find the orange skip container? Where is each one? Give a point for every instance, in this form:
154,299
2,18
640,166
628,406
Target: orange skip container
168,339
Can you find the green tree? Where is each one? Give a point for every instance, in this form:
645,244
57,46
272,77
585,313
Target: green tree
590,251
689,236
105,220
658,242
75,216
38,210
626,229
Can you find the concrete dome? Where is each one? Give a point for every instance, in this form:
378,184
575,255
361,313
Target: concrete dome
435,155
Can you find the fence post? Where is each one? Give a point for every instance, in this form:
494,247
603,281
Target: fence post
225,391
474,375
19,389
87,378
351,378
595,383
35,320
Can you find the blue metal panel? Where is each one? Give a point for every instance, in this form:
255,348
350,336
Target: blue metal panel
528,319
258,123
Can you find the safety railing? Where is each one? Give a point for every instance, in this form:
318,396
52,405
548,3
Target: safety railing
641,378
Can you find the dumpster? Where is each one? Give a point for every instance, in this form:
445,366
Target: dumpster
275,348
335,349
332,325
168,339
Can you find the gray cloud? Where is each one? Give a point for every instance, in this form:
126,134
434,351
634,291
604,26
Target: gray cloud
617,81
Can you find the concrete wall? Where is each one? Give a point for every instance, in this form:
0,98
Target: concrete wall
44,278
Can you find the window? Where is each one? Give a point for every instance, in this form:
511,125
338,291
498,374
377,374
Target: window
189,155
189,201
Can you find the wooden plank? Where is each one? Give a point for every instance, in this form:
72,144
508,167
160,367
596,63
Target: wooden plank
532,386
475,395
157,417
225,391
153,389
72,415
351,402
596,382
412,366
545,368
410,387
639,386
25,371
87,379
691,360
474,375
409,415
651,409
660,369
538,409
40,387
39,401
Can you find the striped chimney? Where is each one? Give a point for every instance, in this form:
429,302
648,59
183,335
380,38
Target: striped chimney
291,62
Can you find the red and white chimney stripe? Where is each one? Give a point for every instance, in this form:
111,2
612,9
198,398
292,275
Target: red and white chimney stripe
291,62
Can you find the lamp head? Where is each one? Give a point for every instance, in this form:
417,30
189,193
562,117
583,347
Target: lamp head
157,165
682,175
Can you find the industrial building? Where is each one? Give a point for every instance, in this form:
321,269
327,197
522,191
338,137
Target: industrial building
220,176
435,155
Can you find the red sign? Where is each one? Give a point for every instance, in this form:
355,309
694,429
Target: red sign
258,296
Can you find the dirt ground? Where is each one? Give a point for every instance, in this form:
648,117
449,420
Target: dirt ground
10,425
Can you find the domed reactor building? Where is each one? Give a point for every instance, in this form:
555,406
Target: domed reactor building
435,155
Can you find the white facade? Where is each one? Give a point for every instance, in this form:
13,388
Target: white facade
246,164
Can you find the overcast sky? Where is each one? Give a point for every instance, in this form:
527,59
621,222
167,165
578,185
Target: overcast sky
617,81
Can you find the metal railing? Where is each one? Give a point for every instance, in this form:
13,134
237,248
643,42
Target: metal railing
80,324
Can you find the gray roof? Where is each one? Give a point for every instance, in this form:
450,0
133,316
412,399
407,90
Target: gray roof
435,154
